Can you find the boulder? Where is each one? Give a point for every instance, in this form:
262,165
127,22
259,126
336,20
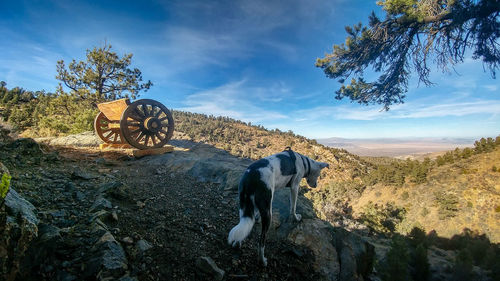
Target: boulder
85,139
338,254
205,163
18,228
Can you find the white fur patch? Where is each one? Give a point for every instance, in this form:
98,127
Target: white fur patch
240,231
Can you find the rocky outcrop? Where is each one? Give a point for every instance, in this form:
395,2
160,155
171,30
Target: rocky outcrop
86,139
18,228
203,162
339,254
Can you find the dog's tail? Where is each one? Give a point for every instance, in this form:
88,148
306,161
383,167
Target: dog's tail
241,230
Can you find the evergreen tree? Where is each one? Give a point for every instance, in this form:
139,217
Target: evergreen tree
414,32
421,263
103,76
395,266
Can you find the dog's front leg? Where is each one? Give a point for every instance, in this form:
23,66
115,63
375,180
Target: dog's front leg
294,192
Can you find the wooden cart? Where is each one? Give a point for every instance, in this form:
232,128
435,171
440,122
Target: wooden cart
143,124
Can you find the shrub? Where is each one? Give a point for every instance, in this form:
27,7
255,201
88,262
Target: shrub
4,185
382,218
447,203
405,195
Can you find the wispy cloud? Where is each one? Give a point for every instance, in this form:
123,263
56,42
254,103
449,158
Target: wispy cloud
491,88
451,109
236,99
403,111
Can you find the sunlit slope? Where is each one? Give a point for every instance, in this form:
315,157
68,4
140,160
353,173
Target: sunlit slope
464,194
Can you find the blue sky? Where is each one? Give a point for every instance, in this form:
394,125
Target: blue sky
251,60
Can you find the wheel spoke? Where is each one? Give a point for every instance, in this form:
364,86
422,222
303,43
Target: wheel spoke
147,140
139,137
108,135
163,131
135,131
158,113
134,117
145,109
139,113
133,124
115,138
153,139
159,136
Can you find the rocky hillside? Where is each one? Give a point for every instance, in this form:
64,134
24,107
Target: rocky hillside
86,214
455,196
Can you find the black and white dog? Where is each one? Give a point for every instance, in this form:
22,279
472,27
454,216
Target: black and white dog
257,187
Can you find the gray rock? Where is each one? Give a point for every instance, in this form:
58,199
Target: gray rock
108,258
102,215
78,195
100,203
109,186
100,161
97,227
356,254
58,213
115,189
317,235
128,240
18,228
143,245
203,162
85,139
17,206
81,175
208,266
337,253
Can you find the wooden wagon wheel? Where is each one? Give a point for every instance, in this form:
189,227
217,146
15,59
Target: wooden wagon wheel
107,130
147,124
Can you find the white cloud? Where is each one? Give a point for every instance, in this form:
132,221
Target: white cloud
402,111
236,100
491,88
451,109
338,113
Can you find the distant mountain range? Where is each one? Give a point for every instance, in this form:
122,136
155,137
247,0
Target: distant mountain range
397,147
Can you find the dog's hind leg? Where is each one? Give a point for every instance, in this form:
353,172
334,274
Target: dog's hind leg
266,217
263,202
294,192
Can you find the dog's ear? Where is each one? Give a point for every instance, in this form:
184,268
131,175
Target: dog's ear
324,165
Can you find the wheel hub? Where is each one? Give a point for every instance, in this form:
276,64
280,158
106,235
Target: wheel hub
152,124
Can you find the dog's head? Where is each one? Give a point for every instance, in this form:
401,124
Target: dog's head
316,167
